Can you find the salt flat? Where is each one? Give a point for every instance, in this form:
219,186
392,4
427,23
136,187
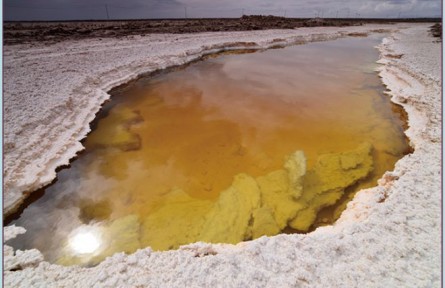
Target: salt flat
389,236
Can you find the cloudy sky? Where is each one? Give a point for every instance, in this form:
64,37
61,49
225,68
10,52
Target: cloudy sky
127,9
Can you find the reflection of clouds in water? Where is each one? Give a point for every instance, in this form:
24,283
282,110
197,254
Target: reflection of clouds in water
56,222
266,81
57,212
308,63
248,106
260,79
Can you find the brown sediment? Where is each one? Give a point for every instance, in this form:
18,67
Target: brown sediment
358,34
394,56
403,116
436,30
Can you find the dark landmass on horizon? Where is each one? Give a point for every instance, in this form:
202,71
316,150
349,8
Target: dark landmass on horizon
29,31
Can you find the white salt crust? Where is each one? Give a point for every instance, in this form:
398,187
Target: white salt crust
389,236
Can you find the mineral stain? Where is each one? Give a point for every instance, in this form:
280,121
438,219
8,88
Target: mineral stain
253,207
223,151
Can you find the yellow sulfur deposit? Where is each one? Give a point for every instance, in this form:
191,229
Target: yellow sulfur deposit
264,223
122,235
251,208
248,209
230,216
178,221
326,182
281,188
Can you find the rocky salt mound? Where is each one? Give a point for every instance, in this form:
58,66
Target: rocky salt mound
389,236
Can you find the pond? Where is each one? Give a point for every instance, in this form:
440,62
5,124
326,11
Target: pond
223,150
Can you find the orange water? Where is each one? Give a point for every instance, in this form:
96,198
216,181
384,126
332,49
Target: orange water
197,127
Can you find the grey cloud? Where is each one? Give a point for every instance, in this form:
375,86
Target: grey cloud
87,9
118,9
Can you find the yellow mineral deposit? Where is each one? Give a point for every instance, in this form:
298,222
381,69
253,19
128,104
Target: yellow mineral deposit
251,207
225,150
248,209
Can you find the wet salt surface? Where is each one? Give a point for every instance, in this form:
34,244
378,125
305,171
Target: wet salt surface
197,128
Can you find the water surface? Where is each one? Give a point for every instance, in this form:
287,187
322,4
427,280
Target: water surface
178,139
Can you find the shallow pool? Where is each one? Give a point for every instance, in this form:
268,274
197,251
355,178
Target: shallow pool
222,150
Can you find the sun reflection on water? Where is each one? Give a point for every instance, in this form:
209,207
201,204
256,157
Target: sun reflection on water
85,240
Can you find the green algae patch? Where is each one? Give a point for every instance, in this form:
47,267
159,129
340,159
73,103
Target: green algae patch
114,130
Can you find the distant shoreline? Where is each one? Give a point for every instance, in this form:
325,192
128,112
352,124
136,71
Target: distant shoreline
367,20
18,32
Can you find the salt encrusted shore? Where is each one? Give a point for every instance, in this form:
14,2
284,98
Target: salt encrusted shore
389,236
